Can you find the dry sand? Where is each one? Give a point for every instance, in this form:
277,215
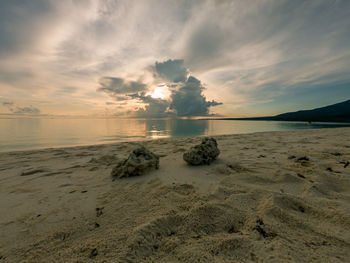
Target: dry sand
256,203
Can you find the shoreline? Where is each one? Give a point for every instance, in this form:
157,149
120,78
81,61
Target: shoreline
162,138
22,136
256,202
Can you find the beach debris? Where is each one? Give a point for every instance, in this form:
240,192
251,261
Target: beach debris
61,235
232,230
301,176
93,253
139,161
301,209
99,211
156,246
336,154
236,167
330,169
303,159
204,153
260,229
346,163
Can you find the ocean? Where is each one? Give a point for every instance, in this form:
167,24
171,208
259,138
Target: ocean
37,133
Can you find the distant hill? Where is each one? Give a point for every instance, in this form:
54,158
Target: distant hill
339,112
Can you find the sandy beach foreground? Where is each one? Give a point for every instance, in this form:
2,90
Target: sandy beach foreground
269,197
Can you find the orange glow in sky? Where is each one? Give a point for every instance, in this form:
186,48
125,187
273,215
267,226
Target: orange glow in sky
161,92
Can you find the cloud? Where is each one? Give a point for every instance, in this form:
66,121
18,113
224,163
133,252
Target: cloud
68,89
253,56
7,103
213,103
26,110
18,29
172,70
14,109
119,86
186,98
154,107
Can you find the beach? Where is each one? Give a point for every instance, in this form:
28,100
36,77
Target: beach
269,197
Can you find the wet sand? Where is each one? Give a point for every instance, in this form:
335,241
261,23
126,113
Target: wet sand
269,197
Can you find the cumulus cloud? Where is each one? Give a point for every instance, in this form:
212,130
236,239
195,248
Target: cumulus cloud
172,70
186,98
154,107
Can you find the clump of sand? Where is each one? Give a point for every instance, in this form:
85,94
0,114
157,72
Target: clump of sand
269,197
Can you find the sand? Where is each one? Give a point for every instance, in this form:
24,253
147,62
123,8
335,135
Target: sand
269,197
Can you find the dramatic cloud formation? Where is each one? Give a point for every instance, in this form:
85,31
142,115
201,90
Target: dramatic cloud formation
119,88
257,57
186,98
189,101
154,108
116,86
172,70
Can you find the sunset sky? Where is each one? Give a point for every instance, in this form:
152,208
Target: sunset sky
172,58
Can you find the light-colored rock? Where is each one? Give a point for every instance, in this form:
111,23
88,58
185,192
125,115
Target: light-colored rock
139,161
203,153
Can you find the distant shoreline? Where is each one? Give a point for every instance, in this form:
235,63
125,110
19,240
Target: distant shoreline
339,112
273,119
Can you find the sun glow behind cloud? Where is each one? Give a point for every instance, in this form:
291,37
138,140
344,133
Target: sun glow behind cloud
160,92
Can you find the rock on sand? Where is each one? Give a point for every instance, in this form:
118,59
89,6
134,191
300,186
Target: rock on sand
138,162
203,153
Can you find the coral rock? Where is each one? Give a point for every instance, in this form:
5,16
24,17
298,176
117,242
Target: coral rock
139,161
203,153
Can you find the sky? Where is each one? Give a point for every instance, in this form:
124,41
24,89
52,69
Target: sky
125,58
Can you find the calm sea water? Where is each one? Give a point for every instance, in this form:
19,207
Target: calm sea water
23,134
